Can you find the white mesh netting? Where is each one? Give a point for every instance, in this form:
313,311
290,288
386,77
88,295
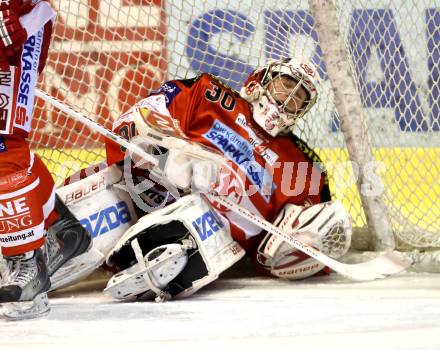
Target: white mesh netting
107,54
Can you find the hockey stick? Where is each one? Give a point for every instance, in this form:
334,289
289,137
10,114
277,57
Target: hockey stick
388,264
385,265
96,126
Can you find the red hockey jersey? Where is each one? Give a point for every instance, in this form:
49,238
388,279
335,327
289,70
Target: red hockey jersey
276,171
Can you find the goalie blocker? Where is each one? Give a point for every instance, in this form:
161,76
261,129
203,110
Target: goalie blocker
172,252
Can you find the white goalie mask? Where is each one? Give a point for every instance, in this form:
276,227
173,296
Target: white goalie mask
281,92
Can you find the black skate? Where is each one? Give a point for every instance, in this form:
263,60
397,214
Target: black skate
66,239
24,286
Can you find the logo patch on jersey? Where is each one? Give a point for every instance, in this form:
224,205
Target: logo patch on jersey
30,58
240,151
170,90
2,144
260,146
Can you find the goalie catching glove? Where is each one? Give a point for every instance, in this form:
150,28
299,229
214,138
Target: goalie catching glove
325,226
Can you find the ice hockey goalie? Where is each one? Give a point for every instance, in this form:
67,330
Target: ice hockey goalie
187,125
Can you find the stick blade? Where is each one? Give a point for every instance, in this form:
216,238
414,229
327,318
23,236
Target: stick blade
383,266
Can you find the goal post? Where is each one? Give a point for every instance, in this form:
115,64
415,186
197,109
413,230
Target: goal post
376,125
352,120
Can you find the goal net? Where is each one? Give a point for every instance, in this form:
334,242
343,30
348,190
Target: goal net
107,54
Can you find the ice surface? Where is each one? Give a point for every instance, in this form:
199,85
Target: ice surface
328,312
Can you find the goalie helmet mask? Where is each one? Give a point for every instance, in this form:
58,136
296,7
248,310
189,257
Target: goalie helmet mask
172,252
281,93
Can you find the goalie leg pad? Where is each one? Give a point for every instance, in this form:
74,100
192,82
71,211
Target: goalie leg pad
154,271
101,205
190,232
